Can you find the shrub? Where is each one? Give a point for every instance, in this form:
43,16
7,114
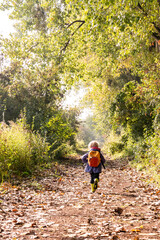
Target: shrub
147,155
116,147
62,150
21,149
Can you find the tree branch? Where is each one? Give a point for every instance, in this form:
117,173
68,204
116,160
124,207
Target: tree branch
4,78
156,27
80,21
141,8
155,35
67,43
32,47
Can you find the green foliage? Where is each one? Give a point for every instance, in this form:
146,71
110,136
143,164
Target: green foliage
111,47
62,150
88,132
132,111
21,149
116,147
147,155
33,77
148,150
61,130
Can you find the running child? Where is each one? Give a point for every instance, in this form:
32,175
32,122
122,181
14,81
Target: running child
95,161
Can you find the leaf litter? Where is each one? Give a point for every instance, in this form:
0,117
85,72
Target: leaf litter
125,206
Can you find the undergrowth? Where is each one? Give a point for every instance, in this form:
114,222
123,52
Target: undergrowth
21,149
147,156
144,153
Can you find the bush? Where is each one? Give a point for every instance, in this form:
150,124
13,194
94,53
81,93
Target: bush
115,144
116,147
62,151
21,149
147,155
147,150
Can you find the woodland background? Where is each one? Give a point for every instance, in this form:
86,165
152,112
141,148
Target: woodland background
109,48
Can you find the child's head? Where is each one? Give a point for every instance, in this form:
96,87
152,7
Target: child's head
93,144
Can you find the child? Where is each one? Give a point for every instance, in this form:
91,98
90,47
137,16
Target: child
94,160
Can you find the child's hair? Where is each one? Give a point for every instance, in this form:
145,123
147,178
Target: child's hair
93,144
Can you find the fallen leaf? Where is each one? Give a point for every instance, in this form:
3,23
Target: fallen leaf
28,225
118,210
136,238
14,210
90,221
120,229
115,237
135,230
141,227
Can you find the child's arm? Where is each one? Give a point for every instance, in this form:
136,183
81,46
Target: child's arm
102,160
85,158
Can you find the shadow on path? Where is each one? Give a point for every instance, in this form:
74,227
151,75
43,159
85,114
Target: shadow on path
117,163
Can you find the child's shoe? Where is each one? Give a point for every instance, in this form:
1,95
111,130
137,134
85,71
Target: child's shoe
92,188
95,183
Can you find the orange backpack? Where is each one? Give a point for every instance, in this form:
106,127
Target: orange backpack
94,158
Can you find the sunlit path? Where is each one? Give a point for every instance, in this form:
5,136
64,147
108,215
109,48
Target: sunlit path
123,207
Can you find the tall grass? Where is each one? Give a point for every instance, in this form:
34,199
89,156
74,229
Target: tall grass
20,149
113,145
147,156
145,153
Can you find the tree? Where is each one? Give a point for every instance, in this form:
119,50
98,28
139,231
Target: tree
120,34
32,76
132,111
103,45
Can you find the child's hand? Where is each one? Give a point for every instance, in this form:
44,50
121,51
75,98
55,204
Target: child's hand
84,165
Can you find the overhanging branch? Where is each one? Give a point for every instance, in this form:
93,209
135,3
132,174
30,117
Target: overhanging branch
67,43
154,34
80,21
156,27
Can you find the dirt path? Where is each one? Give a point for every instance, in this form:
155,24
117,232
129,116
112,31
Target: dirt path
123,207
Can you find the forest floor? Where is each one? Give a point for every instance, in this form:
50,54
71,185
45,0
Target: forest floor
125,205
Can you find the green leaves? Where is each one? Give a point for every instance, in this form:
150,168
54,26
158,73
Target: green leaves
131,110
105,46
36,80
20,149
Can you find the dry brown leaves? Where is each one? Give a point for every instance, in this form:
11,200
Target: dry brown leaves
123,207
